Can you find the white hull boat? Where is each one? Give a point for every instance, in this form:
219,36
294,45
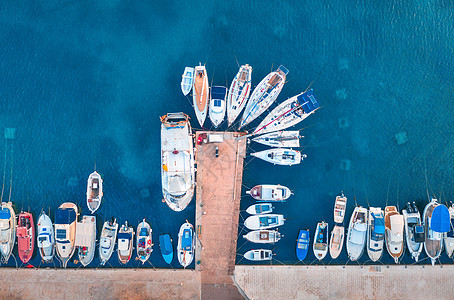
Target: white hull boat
65,231
200,93
187,80
107,240
177,161
280,156
45,238
217,104
259,255
337,241
375,233
414,231
356,236
339,208
94,191
86,239
270,192
8,224
125,243
264,95
436,224
320,245
449,238
263,236
259,222
260,209
144,241
239,93
394,232
281,138
289,113
186,243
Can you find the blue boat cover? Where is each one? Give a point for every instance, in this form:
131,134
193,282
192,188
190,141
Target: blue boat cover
186,241
143,231
308,101
440,219
65,216
379,225
165,243
5,214
124,235
218,92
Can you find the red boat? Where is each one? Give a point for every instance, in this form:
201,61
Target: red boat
25,236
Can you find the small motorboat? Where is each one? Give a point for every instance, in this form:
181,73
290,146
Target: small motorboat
217,104
357,231
414,230
394,232
259,222
339,208
281,138
144,241
375,233
449,237
125,243
436,225
321,240
187,80
7,229
45,239
165,244
239,93
270,192
94,191
263,236
65,231
200,93
107,240
25,236
280,156
260,209
86,239
336,241
302,244
186,243
259,255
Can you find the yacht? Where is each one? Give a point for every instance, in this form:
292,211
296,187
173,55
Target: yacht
7,229
217,105
281,138
394,232
239,93
357,231
200,93
270,192
107,240
45,239
65,231
259,222
375,233
414,231
86,239
436,224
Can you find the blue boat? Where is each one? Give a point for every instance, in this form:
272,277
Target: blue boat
165,244
302,244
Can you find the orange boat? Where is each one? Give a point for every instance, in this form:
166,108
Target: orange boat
25,236
200,93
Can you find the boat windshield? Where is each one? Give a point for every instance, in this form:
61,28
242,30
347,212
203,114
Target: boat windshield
266,221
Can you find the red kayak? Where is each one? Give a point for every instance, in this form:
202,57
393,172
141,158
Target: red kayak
25,236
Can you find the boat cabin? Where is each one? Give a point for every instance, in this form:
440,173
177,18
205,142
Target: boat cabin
418,232
186,240
267,221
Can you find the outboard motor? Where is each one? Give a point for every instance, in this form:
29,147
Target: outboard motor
415,208
408,207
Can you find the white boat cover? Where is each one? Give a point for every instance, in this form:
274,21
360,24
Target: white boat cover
397,227
84,234
357,237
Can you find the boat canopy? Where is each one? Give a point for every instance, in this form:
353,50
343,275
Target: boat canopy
65,216
5,214
397,224
105,243
357,237
186,241
123,241
84,234
143,231
379,224
218,93
308,101
440,219
44,240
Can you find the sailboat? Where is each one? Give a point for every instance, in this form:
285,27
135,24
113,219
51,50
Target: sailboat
177,160
356,236
46,238
280,156
107,240
25,236
259,222
187,80
65,231
200,94
394,232
336,241
279,139
264,95
270,192
320,246
217,104
125,243
375,233
339,208
7,229
263,236
86,239
302,244
94,191
414,231
259,255
260,209
436,224
449,238
165,244
289,113
144,241
186,243
239,93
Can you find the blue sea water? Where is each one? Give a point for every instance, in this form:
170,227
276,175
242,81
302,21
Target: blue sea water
84,83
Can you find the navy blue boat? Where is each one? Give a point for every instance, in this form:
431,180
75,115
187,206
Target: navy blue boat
165,244
302,244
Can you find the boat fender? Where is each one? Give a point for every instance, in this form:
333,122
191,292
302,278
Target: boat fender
149,242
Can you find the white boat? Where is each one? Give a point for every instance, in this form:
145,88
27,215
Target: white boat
259,255
125,243
339,208
65,231
320,245
289,113
259,222
375,233
186,243
177,160
7,229
394,232
218,96
107,240
260,209
414,231
144,241
336,241
86,239
436,224
356,235
45,239
270,192
200,93
264,95
280,156
449,237
263,236
239,93
94,191
187,80
279,139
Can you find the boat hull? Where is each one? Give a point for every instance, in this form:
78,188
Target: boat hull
270,192
217,105
413,247
45,238
259,255
186,243
339,208
433,244
320,245
8,233
280,156
238,93
144,241
281,138
375,240
165,244
260,209
394,241
302,244
200,94
125,243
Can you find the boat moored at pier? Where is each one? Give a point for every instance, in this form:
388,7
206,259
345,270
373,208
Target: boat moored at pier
144,243
259,222
302,244
375,233
356,236
86,239
7,229
414,231
107,240
394,232
336,241
25,236
45,239
263,236
186,244
280,156
260,209
270,192
125,243
281,138
320,246
436,224
217,105
65,231
238,93
259,255
339,208
200,93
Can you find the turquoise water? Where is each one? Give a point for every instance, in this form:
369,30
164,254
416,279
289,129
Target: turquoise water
85,83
